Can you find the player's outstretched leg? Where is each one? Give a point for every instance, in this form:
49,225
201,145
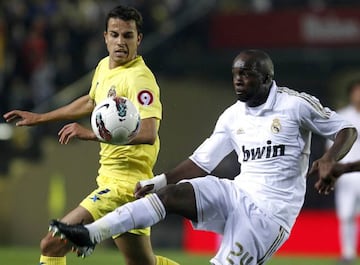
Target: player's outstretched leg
138,214
145,212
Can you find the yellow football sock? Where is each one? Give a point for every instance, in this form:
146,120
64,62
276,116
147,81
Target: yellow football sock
165,261
44,260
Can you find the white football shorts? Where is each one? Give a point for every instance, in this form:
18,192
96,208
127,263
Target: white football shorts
249,235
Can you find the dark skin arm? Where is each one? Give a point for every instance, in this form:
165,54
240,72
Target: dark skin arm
351,167
342,168
185,170
325,168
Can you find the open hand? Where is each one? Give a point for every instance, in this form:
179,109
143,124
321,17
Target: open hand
141,191
327,173
25,118
75,130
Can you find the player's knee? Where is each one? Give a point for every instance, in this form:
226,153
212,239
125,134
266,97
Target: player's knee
51,246
167,195
175,195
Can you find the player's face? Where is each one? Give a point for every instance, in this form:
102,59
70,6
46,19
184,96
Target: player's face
122,41
355,97
248,81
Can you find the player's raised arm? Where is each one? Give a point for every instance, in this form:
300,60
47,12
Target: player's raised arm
74,110
325,167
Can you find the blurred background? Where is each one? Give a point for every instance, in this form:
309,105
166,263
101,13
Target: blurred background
49,48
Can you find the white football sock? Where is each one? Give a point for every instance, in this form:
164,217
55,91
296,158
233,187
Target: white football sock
348,236
141,213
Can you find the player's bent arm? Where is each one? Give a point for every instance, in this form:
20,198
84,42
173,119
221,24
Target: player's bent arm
147,133
76,109
326,167
185,170
342,144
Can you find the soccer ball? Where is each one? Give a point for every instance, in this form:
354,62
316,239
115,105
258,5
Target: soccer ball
115,120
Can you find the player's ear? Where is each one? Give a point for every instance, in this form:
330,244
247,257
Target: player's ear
267,79
105,35
139,38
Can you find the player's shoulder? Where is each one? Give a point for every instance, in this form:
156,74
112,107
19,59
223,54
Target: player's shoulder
231,111
291,94
104,62
139,67
295,98
302,102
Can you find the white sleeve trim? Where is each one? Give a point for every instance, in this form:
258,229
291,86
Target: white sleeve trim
192,158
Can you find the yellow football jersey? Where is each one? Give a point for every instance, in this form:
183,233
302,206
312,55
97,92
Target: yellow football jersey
136,82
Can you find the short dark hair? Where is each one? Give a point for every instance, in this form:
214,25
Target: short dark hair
125,13
263,61
350,87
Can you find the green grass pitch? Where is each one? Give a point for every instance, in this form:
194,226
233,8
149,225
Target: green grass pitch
30,256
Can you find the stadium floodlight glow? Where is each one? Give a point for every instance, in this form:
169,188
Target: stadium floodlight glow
6,131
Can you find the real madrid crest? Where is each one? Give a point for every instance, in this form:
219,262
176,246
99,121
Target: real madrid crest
275,126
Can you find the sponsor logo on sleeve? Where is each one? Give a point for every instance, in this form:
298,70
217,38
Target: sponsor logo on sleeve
145,97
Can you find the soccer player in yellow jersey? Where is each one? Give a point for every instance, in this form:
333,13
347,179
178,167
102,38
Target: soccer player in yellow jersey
122,73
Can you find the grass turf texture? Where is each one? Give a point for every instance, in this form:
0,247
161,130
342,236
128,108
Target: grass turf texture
28,256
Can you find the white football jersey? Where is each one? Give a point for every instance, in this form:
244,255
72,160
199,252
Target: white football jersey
273,146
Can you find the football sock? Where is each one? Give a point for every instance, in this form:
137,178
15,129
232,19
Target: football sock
348,238
141,213
165,261
44,260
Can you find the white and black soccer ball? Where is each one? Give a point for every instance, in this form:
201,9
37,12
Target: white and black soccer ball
115,120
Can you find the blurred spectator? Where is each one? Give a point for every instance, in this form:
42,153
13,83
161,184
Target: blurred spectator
34,48
2,59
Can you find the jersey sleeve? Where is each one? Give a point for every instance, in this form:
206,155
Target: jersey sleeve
210,153
144,92
321,120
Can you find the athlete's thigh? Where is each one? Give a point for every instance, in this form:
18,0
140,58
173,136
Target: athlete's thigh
250,237
215,199
135,248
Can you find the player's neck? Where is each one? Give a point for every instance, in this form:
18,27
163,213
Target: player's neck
259,100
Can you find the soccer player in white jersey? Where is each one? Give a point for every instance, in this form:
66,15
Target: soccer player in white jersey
270,128
347,191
